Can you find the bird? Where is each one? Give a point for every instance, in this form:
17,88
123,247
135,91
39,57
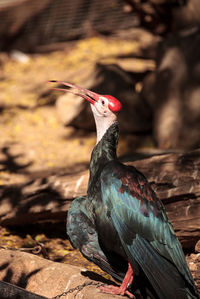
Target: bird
120,224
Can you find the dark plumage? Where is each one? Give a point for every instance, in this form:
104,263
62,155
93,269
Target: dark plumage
121,225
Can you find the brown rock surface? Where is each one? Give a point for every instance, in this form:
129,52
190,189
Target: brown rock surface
48,278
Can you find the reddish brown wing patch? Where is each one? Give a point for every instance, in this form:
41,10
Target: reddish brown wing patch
136,184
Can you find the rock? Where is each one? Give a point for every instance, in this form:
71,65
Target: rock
193,261
197,247
8,291
107,79
173,91
48,278
19,56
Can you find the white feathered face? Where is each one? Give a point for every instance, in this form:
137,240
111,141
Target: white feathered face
101,107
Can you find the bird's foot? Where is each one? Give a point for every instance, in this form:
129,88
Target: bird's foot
110,289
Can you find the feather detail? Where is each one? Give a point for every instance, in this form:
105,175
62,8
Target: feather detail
136,216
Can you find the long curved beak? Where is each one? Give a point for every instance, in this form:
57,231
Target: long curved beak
86,94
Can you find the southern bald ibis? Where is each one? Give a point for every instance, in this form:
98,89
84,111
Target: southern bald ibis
120,224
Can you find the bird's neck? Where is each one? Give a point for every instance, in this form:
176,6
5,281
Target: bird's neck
104,151
103,124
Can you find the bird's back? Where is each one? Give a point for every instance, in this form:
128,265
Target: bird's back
143,227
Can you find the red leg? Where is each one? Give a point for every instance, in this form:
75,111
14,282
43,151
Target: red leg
128,279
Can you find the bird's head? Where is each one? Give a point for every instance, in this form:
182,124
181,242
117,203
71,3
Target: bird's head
104,107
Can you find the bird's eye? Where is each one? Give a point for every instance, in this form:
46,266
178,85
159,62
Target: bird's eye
103,102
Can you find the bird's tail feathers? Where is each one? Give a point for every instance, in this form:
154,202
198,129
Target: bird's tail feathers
163,275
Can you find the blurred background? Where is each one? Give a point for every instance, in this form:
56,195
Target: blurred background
144,52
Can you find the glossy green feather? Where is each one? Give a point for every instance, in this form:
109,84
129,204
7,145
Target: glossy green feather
132,223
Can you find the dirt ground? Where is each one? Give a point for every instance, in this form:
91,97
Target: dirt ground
33,140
